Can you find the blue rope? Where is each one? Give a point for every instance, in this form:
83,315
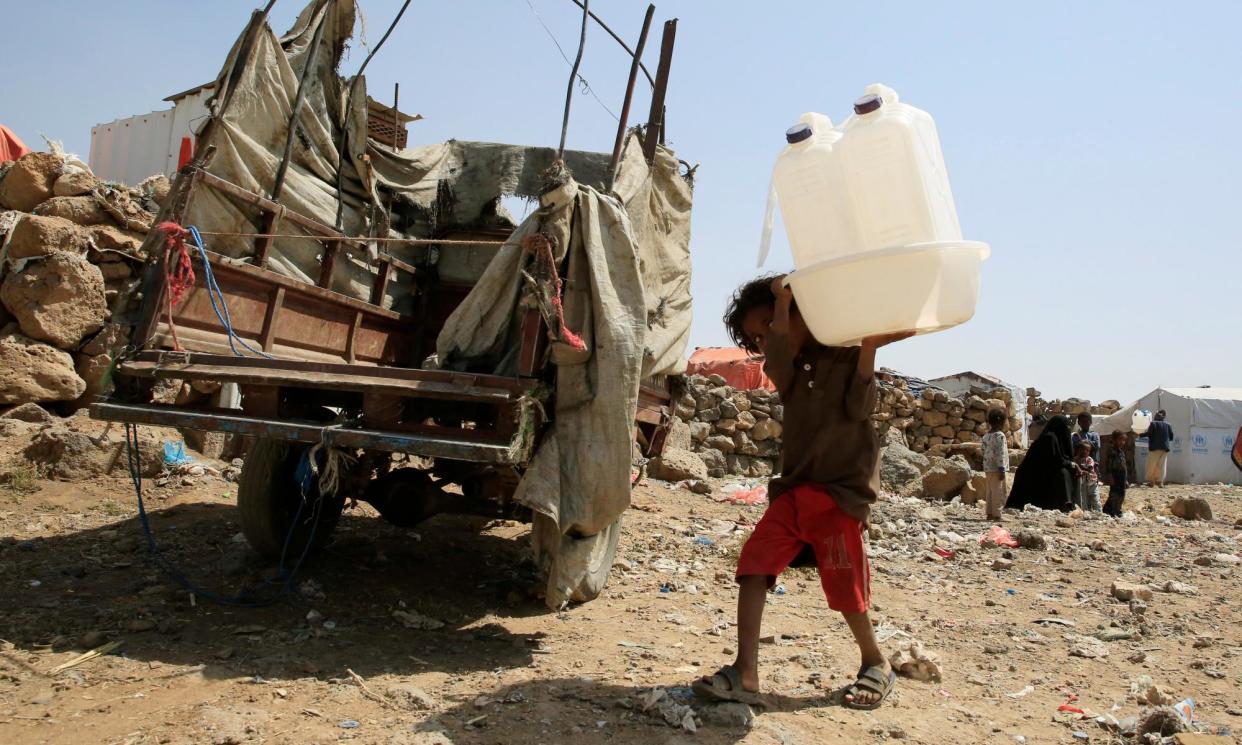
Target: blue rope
214,293
285,578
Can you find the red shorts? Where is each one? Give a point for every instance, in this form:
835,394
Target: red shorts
807,516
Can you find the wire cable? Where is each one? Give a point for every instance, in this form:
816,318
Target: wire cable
586,87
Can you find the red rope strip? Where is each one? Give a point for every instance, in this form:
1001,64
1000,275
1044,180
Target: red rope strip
545,248
178,278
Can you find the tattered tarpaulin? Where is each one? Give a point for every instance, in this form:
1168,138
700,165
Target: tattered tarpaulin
627,294
448,184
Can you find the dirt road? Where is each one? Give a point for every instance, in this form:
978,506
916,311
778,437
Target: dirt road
331,662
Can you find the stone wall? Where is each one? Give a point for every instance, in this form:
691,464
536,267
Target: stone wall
71,259
1036,406
738,433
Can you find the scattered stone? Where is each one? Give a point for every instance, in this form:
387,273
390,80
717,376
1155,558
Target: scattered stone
913,661
1089,648
415,620
32,371
1002,564
1125,591
58,299
1031,539
733,715
410,697
1191,508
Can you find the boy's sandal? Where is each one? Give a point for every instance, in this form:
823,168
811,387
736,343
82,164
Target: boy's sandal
871,680
725,685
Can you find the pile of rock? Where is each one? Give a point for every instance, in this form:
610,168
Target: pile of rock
1070,407
727,431
69,265
933,419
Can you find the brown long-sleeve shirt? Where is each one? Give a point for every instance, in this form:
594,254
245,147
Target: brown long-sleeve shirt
828,437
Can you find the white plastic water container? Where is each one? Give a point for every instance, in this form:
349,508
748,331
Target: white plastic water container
1140,421
871,223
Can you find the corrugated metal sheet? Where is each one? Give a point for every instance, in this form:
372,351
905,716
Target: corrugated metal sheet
129,150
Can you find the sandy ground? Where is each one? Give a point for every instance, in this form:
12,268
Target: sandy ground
330,662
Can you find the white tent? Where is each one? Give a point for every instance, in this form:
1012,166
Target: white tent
1205,422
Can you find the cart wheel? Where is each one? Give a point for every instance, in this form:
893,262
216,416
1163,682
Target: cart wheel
269,497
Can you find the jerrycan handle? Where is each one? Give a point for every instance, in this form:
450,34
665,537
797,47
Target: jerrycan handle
769,220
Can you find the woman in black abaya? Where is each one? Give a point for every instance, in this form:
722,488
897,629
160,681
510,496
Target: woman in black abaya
1047,477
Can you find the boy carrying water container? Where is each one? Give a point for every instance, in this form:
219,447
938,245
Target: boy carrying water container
820,504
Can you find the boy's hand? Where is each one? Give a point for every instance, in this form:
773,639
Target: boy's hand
779,288
881,340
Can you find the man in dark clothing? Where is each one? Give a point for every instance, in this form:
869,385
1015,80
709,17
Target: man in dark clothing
821,502
1159,438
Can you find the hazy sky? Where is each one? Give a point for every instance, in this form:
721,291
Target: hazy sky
1093,145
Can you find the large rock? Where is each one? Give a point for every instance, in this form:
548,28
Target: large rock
31,413
700,431
39,236
58,299
93,370
156,188
976,489
1127,591
1191,508
80,210
901,468
31,371
29,181
677,465
112,238
946,478
935,419
715,462
68,451
75,184
678,437
722,443
766,429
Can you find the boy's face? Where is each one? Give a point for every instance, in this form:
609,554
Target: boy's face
758,323
1084,421
1120,441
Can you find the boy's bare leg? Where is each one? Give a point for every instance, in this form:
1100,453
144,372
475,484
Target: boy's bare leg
751,597
864,635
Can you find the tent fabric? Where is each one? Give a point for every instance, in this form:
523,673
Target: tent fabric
436,186
11,146
739,368
1204,422
578,482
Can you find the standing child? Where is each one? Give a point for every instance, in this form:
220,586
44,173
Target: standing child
995,464
822,500
1088,478
1118,475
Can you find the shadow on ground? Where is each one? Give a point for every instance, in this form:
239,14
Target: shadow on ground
75,591
585,710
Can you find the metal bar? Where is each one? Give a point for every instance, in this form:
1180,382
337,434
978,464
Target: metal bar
396,116
514,452
359,381
265,239
629,96
514,386
279,184
655,119
268,337
573,78
618,39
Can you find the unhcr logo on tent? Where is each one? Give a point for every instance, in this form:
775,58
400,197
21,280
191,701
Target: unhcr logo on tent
1198,444
1177,444
1227,445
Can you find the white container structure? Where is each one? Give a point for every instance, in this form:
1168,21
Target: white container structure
871,223
131,149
